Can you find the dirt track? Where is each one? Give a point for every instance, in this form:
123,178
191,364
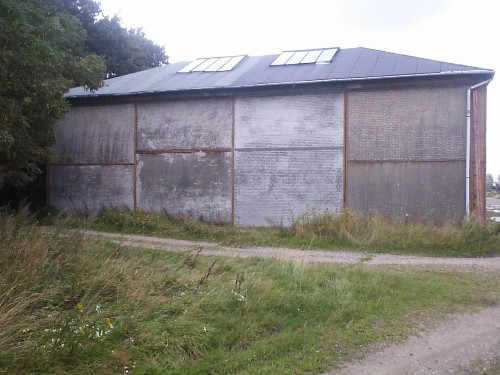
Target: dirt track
447,348
313,256
450,347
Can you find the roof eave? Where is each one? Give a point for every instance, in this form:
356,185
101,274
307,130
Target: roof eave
491,73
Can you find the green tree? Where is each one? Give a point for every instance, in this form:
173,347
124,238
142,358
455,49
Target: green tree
490,183
125,50
42,54
46,47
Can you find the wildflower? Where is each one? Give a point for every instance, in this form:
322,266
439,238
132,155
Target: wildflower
239,297
98,308
79,306
109,323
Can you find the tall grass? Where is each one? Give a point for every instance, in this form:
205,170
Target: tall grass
29,259
72,305
326,231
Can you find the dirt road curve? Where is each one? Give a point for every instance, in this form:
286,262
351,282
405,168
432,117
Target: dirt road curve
338,257
447,348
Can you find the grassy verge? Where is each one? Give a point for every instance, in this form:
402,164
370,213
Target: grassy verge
349,231
70,305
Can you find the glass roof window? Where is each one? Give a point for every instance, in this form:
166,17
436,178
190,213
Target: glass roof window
314,56
213,64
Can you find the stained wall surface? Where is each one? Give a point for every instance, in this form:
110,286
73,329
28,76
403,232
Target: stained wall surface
95,135
187,184
408,190
406,152
184,155
93,162
92,187
288,157
185,125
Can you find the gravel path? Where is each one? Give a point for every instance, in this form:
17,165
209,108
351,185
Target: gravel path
314,256
447,348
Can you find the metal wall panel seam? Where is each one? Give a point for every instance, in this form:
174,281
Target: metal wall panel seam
346,110
407,161
89,164
233,164
135,155
305,148
183,151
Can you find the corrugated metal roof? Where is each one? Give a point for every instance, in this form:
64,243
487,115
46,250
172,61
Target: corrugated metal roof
253,71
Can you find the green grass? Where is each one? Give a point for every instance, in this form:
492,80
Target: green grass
71,305
349,231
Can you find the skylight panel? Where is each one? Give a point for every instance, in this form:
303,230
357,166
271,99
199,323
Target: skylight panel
231,63
212,64
204,65
311,56
326,56
218,64
296,58
191,66
283,58
318,56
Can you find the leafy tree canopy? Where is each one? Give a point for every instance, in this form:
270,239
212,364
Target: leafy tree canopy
124,50
46,47
41,56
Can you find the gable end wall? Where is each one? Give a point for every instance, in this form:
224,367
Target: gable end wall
256,160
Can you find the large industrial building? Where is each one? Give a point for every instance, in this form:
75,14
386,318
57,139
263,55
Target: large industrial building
259,140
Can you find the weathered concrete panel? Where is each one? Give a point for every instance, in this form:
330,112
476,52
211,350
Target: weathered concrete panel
94,135
413,190
289,121
405,124
288,157
189,124
274,187
196,184
89,188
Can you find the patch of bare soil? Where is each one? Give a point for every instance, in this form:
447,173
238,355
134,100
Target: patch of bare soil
449,347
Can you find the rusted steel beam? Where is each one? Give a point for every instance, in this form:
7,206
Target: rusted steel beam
184,151
478,118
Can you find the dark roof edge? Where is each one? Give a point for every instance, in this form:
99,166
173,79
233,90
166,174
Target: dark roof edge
491,73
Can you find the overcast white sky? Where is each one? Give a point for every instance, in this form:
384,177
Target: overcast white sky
456,31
